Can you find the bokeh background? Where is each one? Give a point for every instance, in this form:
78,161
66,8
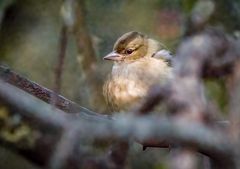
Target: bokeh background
30,30
29,44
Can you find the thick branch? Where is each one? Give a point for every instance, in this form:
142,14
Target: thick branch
43,93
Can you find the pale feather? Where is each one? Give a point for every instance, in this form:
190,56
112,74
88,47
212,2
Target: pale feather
130,82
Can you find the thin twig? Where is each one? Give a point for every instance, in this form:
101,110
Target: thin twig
60,61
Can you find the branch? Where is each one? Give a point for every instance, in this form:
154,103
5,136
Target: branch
214,144
208,54
60,61
43,93
87,53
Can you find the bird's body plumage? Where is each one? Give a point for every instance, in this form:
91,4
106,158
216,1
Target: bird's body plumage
134,74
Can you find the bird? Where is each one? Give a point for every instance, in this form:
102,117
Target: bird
139,62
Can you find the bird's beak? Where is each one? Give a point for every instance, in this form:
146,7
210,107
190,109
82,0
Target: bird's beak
113,56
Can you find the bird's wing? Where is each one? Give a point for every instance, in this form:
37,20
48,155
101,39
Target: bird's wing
164,55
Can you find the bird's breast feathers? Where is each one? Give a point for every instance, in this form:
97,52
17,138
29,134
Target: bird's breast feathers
129,82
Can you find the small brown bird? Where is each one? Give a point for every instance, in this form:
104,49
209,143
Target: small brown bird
139,63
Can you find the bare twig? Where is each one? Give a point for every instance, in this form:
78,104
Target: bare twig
64,148
87,53
234,103
198,19
60,61
235,109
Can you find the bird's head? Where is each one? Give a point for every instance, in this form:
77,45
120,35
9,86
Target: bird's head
132,46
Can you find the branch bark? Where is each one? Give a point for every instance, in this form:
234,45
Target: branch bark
43,93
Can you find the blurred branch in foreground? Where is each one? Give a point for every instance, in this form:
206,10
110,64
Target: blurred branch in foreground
214,144
207,54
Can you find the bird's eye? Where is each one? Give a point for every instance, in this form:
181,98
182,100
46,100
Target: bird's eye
129,51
